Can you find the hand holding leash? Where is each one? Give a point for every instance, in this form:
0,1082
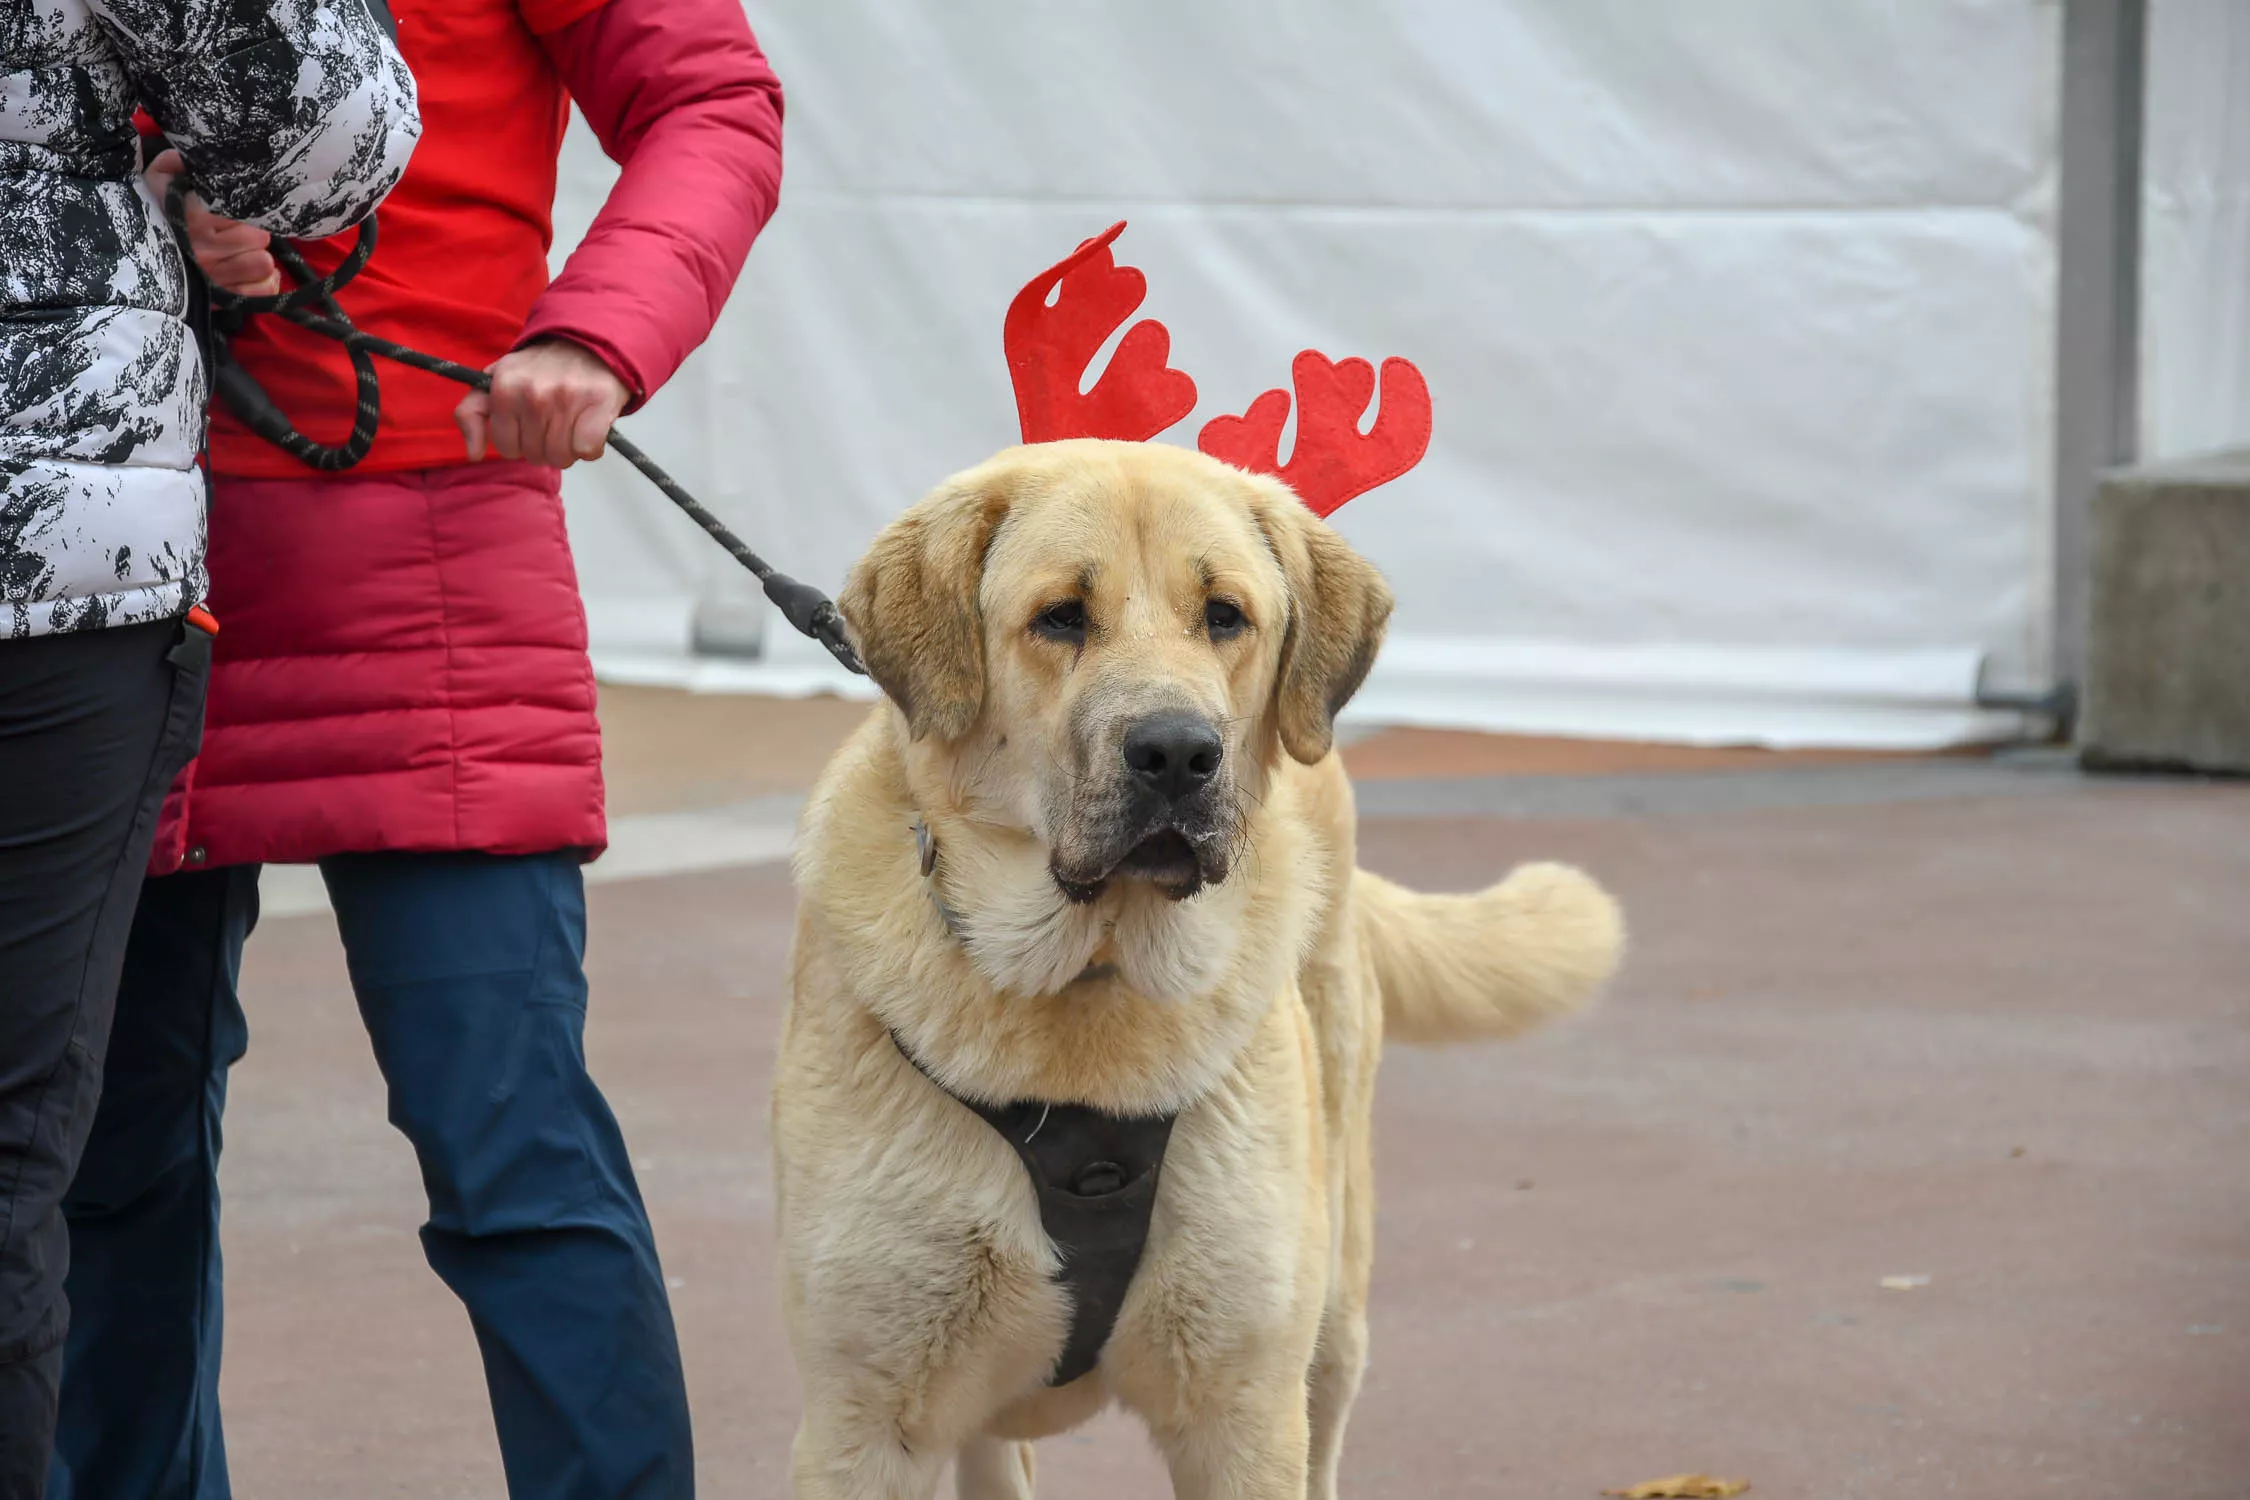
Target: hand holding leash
806,608
233,256
550,403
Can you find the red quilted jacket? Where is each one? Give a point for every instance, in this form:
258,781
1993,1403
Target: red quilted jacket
401,664
401,661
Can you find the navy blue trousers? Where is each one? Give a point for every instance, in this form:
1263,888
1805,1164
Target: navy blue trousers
468,969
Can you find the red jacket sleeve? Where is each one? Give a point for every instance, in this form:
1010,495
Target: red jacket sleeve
683,101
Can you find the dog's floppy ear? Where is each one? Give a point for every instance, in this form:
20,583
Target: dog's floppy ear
911,603
1338,606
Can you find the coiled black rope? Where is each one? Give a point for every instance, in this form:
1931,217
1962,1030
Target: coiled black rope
311,304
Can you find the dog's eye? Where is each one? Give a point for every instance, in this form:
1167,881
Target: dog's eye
1061,622
1222,619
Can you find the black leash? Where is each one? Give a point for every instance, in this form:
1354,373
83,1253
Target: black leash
312,305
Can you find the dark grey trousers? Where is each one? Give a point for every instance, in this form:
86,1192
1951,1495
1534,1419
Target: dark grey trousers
93,727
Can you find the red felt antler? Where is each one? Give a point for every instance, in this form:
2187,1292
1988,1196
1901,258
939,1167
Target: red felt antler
1333,460
1049,348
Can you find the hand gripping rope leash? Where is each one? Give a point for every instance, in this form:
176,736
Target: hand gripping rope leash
312,305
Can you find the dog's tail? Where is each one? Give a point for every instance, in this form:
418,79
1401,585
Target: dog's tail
1464,968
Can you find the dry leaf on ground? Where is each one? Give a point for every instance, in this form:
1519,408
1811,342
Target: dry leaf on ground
1684,1487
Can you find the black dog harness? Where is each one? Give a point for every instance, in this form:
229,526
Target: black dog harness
1095,1176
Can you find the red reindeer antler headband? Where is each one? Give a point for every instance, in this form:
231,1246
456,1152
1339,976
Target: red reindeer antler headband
1139,395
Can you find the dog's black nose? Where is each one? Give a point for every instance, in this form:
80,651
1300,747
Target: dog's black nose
1173,754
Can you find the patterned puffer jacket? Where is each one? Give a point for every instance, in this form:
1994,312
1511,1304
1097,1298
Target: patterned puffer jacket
297,115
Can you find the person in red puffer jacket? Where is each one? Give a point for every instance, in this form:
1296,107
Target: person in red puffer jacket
401,692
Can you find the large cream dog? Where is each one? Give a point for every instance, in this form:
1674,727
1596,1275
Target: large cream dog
1096,850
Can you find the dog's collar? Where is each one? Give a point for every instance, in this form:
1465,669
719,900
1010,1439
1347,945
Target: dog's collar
1095,1176
925,848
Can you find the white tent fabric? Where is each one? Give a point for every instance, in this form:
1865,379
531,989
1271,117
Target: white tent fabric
2195,230
1737,319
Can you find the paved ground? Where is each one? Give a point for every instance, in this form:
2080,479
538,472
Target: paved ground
1977,1022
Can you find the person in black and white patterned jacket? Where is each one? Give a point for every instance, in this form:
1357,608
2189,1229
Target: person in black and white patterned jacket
298,116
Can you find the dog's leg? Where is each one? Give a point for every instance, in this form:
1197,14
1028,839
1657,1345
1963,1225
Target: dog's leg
1341,994
990,1469
1333,1386
1243,1452
1341,1356
827,1463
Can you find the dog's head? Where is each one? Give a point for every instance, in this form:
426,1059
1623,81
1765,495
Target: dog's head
1109,646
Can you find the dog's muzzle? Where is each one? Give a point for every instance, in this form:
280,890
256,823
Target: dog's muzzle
1168,820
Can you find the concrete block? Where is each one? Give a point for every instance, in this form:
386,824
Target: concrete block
2168,645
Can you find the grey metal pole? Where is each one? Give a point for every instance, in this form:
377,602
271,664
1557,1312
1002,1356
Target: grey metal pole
2097,288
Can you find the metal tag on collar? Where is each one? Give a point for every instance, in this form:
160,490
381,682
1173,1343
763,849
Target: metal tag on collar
926,847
